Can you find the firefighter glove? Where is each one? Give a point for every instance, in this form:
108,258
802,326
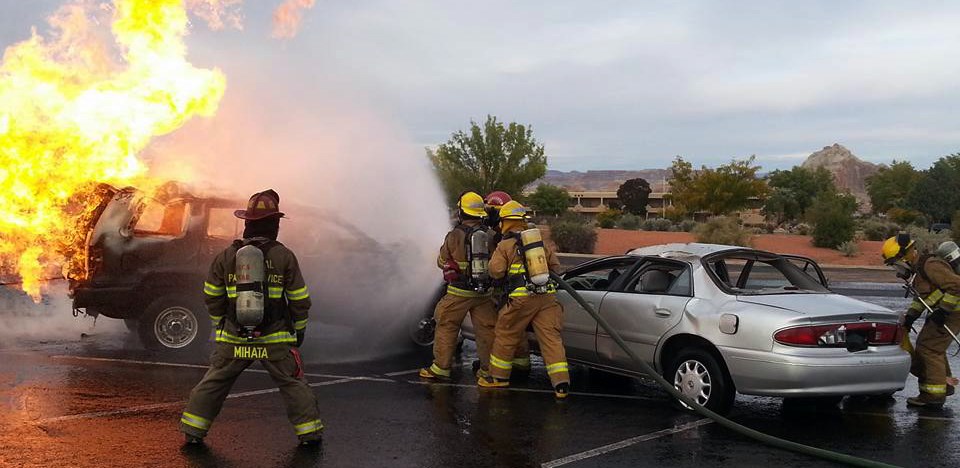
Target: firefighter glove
300,336
938,316
908,321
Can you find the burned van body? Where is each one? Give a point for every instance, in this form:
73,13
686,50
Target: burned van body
145,256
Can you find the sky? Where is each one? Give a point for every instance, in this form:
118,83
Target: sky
612,85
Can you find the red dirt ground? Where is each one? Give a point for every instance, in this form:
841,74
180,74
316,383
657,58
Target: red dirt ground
618,241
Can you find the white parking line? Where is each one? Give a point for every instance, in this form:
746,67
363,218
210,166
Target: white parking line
404,372
156,406
199,366
413,371
533,390
623,444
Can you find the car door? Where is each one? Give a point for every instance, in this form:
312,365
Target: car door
648,304
592,280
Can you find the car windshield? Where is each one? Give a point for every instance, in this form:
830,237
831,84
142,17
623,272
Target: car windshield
760,274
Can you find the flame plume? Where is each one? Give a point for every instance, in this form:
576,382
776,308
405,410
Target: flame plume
76,108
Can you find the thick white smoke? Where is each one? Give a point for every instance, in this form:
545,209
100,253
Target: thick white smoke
366,215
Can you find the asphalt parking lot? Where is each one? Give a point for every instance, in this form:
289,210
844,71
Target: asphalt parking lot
100,401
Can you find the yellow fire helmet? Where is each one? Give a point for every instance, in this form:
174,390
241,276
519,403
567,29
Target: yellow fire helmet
512,210
896,247
471,204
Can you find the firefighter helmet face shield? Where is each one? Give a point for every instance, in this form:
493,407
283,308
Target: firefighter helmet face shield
512,210
471,204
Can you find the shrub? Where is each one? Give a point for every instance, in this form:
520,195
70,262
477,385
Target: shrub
849,248
573,237
955,227
629,221
722,230
656,224
674,214
608,218
802,229
927,241
879,230
905,217
832,215
687,225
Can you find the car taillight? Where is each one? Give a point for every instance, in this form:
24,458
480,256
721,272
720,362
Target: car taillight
838,335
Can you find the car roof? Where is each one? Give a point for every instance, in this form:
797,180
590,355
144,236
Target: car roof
688,250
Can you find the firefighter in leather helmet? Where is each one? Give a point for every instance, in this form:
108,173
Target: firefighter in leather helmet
495,201
256,319
939,286
528,304
465,292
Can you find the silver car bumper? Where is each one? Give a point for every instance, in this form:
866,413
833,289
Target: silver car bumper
801,372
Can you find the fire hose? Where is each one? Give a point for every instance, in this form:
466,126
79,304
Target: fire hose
727,423
908,285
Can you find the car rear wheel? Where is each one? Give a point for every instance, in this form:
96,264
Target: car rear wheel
697,374
173,323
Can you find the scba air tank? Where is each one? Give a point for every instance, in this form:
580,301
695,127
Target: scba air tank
951,253
479,254
535,256
250,277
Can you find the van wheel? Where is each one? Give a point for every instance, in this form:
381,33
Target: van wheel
698,375
173,323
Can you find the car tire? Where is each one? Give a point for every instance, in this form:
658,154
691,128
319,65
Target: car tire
174,323
698,374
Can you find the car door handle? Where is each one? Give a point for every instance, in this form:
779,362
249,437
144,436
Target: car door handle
662,312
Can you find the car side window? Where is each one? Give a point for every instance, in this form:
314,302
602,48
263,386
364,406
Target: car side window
662,278
158,219
601,277
222,224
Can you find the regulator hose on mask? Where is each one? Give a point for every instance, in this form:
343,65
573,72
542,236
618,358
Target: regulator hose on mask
733,426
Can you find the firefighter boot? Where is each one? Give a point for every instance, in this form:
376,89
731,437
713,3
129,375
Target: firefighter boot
310,440
489,381
561,391
435,373
925,400
192,440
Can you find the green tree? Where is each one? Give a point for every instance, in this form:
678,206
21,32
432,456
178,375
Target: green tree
634,194
488,158
719,191
832,216
549,200
937,192
793,191
889,186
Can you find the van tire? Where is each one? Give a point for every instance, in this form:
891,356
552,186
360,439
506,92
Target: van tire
174,323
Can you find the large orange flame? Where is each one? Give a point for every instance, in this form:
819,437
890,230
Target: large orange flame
76,108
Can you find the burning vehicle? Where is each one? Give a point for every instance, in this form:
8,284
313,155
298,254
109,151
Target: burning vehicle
147,254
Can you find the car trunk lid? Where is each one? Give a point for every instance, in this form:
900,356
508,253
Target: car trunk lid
823,306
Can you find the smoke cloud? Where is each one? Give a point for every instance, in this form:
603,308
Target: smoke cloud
365,212
288,16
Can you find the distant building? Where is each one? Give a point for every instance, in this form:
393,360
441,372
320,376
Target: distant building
591,203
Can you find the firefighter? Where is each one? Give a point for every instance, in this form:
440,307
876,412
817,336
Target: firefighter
495,201
937,285
466,292
274,339
528,303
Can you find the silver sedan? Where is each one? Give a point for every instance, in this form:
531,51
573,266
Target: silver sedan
717,320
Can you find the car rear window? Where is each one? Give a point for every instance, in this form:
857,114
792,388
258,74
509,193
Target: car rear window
748,274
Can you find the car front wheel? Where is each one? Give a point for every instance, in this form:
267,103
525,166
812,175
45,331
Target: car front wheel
173,323
698,375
